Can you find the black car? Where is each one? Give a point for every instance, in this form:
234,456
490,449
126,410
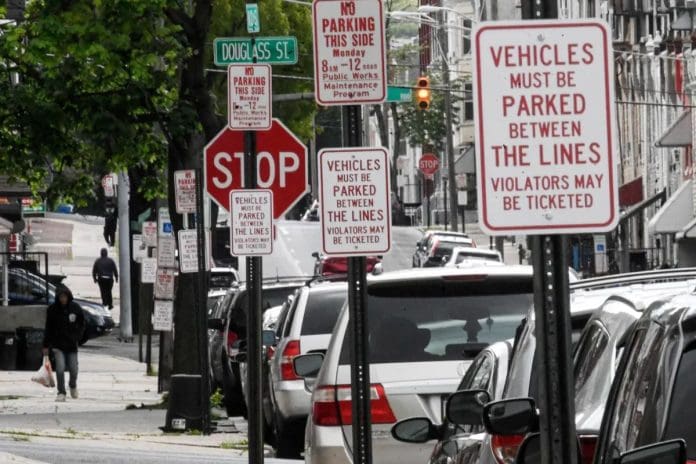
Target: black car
27,288
233,320
651,398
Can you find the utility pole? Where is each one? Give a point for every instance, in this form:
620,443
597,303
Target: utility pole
444,44
126,324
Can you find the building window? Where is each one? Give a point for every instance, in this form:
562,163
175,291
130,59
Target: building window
468,102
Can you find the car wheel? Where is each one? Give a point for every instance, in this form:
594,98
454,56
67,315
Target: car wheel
289,438
232,394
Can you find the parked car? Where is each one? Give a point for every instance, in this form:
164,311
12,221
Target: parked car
337,266
274,293
651,399
425,328
27,288
441,247
425,242
593,301
223,277
461,254
306,328
487,372
218,301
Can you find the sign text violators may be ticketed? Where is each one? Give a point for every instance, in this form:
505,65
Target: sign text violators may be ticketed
355,201
545,127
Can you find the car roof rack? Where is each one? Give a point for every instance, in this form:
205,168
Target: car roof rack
640,277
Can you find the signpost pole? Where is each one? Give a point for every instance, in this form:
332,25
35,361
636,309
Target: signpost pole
358,333
254,272
202,304
553,332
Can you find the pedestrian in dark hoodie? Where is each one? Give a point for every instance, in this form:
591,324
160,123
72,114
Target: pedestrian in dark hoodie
65,325
104,273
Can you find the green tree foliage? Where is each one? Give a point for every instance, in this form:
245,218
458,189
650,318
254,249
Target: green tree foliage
92,86
103,85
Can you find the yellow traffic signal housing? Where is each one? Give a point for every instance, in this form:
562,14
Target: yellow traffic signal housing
423,93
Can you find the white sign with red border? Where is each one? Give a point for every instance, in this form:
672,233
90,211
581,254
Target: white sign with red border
163,315
150,233
354,198
188,251
251,225
185,191
249,105
166,252
349,52
164,284
544,114
148,270
109,185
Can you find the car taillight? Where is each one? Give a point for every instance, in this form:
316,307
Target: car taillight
287,371
505,447
333,406
231,338
588,444
270,351
690,462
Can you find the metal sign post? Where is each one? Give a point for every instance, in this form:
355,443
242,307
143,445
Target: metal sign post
358,332
254,345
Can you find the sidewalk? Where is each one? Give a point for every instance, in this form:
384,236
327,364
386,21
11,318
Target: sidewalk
117,403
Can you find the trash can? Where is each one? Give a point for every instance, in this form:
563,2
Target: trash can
184,412
8,351
29,344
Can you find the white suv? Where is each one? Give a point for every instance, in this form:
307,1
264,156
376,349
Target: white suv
425,328
305,327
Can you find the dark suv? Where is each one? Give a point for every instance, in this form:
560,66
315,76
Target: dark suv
651,399
234,316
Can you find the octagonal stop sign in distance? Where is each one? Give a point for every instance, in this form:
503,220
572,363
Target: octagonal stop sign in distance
281,163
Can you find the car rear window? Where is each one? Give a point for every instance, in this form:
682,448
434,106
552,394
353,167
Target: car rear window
322,311
442,320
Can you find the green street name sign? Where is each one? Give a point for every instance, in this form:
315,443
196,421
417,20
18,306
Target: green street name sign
399,94
270,50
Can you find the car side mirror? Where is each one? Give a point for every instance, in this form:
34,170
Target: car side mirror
516,416
465,407
308,365
377,269
268,338
666,452
415,430
315,255
445,258
216,324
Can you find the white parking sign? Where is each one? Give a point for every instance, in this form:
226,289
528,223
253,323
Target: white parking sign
544,113
349,52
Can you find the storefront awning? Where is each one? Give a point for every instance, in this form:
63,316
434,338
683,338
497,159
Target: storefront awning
689,230
635,209
675,213
678,134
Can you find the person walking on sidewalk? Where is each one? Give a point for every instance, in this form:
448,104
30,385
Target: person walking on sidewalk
104,273
65,325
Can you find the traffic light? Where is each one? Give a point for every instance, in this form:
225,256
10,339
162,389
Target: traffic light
423,93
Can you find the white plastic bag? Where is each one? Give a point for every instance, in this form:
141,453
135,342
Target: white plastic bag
44,375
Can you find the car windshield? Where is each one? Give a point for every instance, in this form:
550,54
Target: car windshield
445,248
414,321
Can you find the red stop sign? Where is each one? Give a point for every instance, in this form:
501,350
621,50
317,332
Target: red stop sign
429,164
281,166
